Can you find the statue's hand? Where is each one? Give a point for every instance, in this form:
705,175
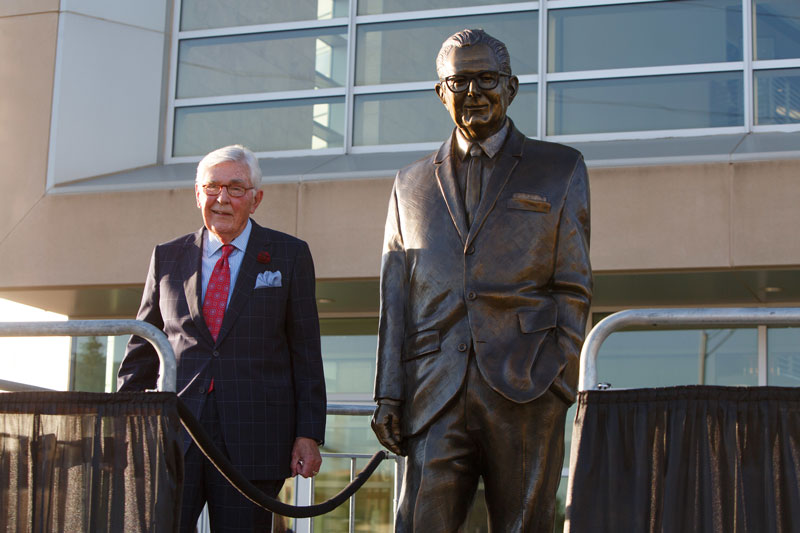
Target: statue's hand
386,425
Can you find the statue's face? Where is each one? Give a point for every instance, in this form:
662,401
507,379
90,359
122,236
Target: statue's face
478,113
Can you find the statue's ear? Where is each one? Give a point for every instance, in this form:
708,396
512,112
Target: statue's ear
440,92
513,88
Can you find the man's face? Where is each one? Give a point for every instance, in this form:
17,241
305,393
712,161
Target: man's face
478,113
226,216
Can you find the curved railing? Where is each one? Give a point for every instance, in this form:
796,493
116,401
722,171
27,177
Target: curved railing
166,356
671,318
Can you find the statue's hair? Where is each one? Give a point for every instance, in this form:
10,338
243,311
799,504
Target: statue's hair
470,38
236,153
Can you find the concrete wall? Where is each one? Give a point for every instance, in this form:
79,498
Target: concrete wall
108,88
28,32
714,216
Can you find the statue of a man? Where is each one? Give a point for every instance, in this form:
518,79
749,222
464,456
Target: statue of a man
485,290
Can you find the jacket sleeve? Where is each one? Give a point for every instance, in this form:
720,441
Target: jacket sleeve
140,366
302,335
572,278
393,294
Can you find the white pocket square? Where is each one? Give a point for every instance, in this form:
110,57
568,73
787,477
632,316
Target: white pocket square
268,279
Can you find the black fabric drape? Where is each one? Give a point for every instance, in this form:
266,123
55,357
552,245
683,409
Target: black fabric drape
75,462
681,459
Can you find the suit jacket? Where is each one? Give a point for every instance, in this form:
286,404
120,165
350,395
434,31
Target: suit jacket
516,285
266,362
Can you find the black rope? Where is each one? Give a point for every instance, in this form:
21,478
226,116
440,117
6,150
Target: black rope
252,492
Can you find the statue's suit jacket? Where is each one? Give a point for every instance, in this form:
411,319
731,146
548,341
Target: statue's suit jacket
266,362
516,284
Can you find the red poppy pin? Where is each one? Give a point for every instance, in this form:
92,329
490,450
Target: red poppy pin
263,257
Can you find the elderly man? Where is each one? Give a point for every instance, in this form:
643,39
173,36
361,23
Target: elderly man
237,303
485,289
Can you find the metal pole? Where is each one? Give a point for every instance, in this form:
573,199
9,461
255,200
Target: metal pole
672,318
352,521
701,357
74,328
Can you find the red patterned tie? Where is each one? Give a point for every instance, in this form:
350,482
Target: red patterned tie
217,292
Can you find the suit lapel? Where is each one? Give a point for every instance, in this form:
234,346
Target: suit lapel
245,280
448,184
507,160
192,282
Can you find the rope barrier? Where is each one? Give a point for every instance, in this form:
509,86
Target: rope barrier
251,492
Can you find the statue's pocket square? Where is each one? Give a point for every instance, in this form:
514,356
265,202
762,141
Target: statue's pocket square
529,202
268,279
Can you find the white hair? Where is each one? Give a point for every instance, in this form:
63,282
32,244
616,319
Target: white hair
236,153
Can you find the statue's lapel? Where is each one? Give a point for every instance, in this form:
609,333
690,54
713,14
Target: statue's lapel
448,184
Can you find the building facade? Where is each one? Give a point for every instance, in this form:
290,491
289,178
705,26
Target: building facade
688,113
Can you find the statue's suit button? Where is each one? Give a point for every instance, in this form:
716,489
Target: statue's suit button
470,250
462,347
471,295
202,390
216,353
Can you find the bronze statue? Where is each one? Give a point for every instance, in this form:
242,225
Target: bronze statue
485,290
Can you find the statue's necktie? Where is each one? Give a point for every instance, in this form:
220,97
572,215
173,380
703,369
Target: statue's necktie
472,195
216,299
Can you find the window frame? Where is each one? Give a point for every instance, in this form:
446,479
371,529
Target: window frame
748,67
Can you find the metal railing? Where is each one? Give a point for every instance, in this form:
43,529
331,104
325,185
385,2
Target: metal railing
166,356
305,487
167,382
671,318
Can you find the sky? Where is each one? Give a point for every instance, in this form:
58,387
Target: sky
41,361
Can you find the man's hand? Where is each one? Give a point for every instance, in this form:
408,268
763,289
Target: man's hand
306,459
386,425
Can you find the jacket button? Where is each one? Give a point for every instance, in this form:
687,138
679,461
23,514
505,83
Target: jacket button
470,250
471,295
462,347
216,353
202,390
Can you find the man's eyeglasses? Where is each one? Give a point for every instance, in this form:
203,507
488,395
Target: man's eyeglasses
235,191
486,80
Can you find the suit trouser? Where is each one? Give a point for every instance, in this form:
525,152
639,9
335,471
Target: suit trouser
228,510
518,449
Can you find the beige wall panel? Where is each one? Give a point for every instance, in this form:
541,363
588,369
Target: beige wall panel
766,213
26,7
27,58
278,209
660,217
103,239
343,224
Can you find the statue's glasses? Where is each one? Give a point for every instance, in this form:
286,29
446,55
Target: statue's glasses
486,80
234,191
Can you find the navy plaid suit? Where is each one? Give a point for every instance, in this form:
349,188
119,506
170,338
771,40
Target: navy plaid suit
266,363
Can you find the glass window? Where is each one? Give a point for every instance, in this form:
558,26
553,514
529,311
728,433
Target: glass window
397,118
645,35
419,116
262,62
204,14
643,359
783,357
376,7
349,362
95,361
378,60
646,103
777,29
261,126
373,502
348,353
777,96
